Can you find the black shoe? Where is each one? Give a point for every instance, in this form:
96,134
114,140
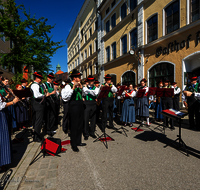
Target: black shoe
172,128
93,136
75,149
37,140
82,144
111,127
85,138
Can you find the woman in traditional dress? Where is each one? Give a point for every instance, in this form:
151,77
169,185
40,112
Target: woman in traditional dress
5,149
143,103
158,108
128,109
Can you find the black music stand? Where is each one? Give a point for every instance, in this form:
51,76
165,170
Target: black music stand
103,137
178,117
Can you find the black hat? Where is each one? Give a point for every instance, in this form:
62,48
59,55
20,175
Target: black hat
96,82
23,80
174,83
108,76
38,74
1,72
75,73
86,80
193,77
118,84
90,78
144,80
51,75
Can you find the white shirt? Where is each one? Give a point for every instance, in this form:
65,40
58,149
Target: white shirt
92,92
113,89
2,104
176,91
66,93
36,90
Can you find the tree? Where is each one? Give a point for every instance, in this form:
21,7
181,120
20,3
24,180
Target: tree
32,44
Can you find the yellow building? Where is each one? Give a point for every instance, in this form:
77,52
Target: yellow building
82,41
152,39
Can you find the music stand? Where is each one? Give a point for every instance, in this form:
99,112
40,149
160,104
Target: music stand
178,116
104,136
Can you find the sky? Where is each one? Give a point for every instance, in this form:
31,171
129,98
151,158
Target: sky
63,13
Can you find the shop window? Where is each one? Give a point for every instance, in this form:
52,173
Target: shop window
172,17
133,4
159,72
108,54
107,26
113,20
152,29
124,44
195,10
133,39
114,50
123,11
128,78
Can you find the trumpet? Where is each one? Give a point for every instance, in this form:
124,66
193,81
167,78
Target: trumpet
29,84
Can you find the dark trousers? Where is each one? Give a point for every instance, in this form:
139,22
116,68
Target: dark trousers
89,114
167,103
50,116
176,103
76,115
193,110
38,116
107,107
66,117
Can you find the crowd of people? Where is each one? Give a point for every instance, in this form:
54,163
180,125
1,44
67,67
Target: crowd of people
82,107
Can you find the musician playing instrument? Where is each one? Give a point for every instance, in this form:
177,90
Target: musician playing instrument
142,109
50,108
107,103
128,109
167,103
73,93
91,93
24,83
191,99
176,97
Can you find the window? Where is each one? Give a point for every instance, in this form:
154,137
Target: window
114,50
96,45
85,54
86,73
160,72
107,26
91,69
96,25
90,32
128,78
123,11
195,10
113,20
85,37
78,62
133,39
107,10
90,50
97,69
133,4
152,29
81,57
113,3
75,64
124,44
108,54
172,17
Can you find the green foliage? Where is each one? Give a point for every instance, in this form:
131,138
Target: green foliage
32,44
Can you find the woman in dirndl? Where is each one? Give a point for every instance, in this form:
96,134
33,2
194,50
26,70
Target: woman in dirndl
158,108
128,108
143,103
5,149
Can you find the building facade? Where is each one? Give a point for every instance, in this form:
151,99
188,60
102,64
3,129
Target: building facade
82,41
152,39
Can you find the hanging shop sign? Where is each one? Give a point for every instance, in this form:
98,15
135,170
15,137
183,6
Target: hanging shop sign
176,46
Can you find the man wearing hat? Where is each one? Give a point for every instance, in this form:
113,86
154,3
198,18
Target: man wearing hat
167,103
191,99
50,109
176,98
24,83
38,106
91,93
72,93
107,103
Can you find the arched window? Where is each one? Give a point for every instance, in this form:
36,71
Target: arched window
128,78
159,72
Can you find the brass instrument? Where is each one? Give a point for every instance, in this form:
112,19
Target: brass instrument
31,82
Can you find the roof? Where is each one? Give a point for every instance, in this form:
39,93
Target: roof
58,65
59,72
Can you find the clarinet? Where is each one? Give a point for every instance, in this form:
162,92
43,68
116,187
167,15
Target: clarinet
7,89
